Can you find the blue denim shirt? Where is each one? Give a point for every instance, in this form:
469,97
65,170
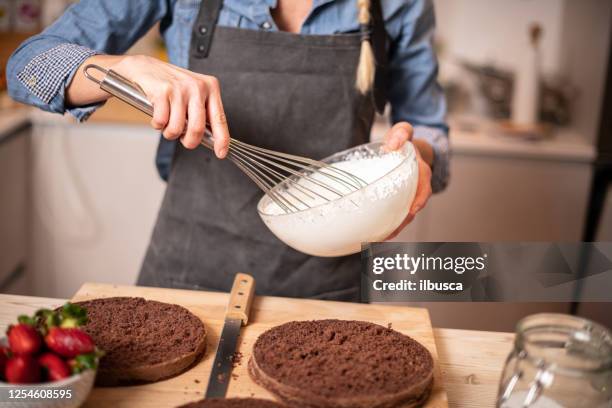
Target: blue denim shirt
40,69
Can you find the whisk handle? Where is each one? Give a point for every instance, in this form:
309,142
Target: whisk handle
131,93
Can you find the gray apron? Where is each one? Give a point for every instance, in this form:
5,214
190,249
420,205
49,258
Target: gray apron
282,91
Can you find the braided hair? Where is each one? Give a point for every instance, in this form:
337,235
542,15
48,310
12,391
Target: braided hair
367,66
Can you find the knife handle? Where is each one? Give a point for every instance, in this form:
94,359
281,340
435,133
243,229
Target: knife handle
241,298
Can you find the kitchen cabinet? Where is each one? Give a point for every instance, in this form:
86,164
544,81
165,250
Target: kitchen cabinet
95,197
496,198
14,142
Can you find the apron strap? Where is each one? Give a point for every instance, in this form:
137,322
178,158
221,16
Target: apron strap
380,47
204,28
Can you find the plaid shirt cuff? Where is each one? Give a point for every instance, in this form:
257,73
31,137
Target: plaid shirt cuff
46,74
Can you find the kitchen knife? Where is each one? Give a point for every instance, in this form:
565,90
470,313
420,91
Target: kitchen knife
236,315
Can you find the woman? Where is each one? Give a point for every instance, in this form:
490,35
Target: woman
303,77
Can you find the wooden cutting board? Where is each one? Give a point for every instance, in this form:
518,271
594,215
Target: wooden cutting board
265,313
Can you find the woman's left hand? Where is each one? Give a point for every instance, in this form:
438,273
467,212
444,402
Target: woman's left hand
395,138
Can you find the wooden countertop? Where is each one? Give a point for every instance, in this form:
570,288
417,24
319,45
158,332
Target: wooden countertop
470,361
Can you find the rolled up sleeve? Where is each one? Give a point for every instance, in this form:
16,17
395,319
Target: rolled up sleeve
41,69
43,77
414,93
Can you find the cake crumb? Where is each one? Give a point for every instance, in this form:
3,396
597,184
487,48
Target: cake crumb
236,359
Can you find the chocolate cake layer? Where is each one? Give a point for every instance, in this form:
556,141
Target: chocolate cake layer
143,340
337,363
233,403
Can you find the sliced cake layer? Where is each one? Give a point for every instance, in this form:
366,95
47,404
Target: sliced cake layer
143,340
233,403
337,363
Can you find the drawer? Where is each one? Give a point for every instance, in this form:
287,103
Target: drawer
13,204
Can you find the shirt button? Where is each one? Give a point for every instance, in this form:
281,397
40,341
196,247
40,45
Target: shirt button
266,25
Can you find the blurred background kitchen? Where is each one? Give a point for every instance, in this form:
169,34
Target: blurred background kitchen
526,85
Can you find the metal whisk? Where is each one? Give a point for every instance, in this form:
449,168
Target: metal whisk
294,183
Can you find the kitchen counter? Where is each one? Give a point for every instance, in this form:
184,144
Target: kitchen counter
565,144
12,121
470,361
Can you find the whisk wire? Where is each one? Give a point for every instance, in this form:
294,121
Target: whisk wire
297,173
258,173
281,176
305,163
260,169
279,200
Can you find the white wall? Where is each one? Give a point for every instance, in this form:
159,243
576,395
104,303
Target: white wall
495,31
574,43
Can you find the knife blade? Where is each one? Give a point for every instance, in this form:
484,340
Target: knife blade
236,316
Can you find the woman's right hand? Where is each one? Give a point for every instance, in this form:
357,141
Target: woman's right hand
183,101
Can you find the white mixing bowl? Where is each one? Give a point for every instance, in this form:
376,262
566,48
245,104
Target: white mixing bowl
338,227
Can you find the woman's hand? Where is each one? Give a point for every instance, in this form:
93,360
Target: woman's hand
395,138
183,101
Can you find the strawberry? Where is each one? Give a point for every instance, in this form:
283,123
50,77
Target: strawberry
4,353
22,369
23,339
69,342
55,367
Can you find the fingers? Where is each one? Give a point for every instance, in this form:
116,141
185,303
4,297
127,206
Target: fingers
423,189
161,110
420,199
399,229
216,118
398,135
178,114
183,101
196,122
183,107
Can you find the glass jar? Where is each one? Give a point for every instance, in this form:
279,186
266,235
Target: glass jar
558,361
